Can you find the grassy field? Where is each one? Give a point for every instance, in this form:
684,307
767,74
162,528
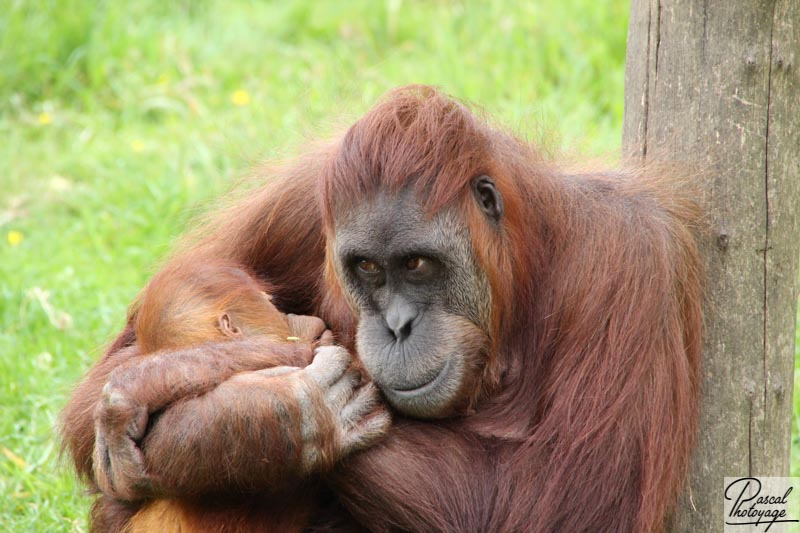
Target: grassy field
119,122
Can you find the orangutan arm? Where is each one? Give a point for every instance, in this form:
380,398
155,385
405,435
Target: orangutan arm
153,381
422,477
258,430
76,424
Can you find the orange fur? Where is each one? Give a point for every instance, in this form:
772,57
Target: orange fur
183,303
182,306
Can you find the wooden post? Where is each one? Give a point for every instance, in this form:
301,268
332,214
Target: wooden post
717,84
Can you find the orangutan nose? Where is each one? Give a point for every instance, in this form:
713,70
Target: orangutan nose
399,317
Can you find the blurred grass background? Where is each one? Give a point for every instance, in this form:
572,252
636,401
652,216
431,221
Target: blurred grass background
120,121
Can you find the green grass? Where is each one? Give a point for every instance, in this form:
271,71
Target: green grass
118,125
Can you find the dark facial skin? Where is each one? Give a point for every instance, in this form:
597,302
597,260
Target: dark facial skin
423,301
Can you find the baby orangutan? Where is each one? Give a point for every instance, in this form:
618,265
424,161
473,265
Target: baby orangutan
185,307
215,302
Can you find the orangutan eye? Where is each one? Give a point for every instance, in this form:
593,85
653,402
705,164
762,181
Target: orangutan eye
416,263
368,267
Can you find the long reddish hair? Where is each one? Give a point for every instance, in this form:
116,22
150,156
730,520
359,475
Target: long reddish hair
596,284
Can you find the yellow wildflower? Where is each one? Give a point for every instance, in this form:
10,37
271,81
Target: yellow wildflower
240,97
14,237
137,146
14,458
45,118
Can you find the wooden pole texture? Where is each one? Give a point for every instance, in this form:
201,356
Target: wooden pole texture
716,84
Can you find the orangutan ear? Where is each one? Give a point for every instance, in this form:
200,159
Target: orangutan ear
227,327
488,197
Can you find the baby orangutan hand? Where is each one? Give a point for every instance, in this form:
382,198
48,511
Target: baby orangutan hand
309,329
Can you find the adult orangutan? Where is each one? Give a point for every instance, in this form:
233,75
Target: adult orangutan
536,331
